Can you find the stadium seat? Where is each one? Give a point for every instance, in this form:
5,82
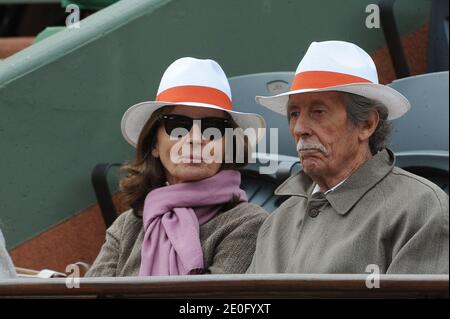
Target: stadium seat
244,89
438,39
421,137
425,126
433,165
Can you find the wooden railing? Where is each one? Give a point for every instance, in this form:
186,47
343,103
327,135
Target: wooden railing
233,286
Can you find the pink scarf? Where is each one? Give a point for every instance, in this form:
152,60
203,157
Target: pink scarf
172,216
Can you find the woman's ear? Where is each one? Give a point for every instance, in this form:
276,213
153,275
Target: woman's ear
155,152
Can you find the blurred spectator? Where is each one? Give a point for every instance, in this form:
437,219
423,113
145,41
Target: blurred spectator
6,265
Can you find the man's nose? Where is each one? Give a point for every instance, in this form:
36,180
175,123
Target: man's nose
302,127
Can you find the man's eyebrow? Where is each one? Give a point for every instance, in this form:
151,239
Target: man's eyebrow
318,102
290,106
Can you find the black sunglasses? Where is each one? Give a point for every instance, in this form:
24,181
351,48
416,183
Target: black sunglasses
173,121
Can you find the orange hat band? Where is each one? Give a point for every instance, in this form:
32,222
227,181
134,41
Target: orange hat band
323,79
198,94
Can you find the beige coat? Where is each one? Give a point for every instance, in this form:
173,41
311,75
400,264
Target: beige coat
228,241
381,215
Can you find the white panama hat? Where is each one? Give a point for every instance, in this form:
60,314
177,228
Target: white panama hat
338,66
190,82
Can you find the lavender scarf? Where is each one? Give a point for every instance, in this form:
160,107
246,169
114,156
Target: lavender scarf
172,216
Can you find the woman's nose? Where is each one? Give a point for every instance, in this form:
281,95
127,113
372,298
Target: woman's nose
196,133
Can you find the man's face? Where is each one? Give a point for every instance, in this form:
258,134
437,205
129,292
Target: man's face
326,143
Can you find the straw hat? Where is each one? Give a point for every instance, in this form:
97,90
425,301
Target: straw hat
338,66
191,82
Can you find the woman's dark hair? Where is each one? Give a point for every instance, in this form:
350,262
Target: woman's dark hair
146,172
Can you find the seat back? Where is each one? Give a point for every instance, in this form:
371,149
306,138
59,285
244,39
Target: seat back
244,88
438,39
425,126
432,165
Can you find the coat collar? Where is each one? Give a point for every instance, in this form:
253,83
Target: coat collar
352,190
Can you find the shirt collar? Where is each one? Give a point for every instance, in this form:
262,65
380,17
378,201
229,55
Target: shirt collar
351,190
317,188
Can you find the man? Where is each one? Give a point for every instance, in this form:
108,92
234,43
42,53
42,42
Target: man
351,210
6,266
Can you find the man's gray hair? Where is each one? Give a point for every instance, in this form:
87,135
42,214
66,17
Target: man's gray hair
359,109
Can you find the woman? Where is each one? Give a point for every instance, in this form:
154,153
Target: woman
188,214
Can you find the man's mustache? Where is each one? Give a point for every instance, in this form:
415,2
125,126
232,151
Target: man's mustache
304,146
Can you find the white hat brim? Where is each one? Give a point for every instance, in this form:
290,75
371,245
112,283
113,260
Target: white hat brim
394,101
137,115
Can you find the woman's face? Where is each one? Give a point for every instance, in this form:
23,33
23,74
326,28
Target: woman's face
191,157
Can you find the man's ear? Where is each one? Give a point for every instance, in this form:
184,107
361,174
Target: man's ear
369,126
